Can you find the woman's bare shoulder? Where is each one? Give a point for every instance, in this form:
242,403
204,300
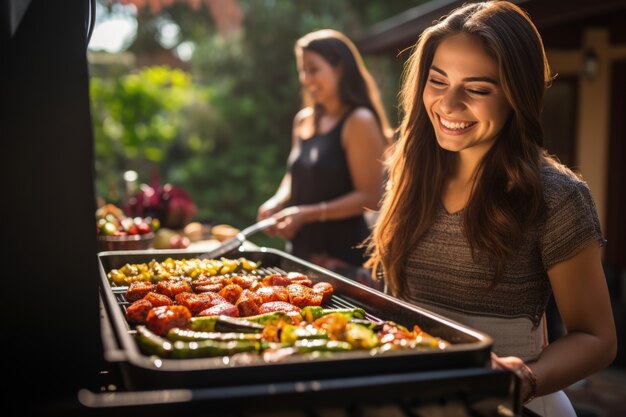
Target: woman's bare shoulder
361,115
303,124
302,115
361,125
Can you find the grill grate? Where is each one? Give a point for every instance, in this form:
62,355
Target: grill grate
335,301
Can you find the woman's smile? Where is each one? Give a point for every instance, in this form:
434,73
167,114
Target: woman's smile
455,127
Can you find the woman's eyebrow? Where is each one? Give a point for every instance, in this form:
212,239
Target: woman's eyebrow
468,79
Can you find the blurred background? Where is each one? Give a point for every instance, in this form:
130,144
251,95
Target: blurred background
202,94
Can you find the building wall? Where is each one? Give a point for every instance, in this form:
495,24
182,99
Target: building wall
593,122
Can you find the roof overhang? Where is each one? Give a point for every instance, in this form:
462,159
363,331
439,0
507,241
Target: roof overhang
394,35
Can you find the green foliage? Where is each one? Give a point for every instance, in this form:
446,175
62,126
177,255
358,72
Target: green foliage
137,119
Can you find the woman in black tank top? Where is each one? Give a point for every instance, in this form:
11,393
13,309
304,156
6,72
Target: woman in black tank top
335,168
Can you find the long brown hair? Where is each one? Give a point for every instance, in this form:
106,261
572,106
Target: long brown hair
507,197
357,87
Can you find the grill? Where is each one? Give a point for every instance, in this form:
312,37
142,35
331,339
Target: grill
404,378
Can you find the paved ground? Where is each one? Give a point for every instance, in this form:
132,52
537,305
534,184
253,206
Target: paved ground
601,395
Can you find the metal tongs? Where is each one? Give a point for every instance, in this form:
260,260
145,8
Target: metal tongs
235,242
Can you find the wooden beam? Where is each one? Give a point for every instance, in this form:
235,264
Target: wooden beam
397,33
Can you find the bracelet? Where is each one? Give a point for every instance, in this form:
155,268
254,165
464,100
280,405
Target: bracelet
525,373
323,206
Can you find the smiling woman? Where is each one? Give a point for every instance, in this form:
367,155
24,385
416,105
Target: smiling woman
467,107
335,170
479,223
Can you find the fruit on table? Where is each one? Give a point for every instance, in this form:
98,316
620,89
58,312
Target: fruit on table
162,238
111,221
107,209
170,239
179,241
108,229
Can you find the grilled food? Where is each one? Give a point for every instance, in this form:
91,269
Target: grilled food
192,308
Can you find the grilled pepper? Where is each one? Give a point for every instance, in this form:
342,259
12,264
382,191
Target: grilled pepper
425,340
365,322
209,348
321,345
268,318
312,313
152,344
191,335
360,337
289,334
248,264
224,324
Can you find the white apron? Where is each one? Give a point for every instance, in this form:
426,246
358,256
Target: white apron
516,337
552,405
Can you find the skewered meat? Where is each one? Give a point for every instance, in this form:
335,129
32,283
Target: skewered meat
248,281
136,312
276,279
198,302
138,289
157,299
284,280
247,304
171,287
223,309
325,289
302,296
273,306
206,280
272,293
210,288
214,281
231,293
161,319
298,278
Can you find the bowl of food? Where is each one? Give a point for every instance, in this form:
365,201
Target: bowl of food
125,242
223,232
118,232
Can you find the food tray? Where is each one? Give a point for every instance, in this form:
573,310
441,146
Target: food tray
468,347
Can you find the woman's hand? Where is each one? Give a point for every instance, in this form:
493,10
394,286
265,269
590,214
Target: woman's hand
289,221
526,375
267,210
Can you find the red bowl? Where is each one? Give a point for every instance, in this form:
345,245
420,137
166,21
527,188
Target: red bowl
128,242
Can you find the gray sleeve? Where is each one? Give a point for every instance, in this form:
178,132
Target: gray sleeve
571,225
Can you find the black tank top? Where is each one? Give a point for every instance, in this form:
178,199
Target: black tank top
320,172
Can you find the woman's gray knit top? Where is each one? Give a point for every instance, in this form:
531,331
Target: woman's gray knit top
441,272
